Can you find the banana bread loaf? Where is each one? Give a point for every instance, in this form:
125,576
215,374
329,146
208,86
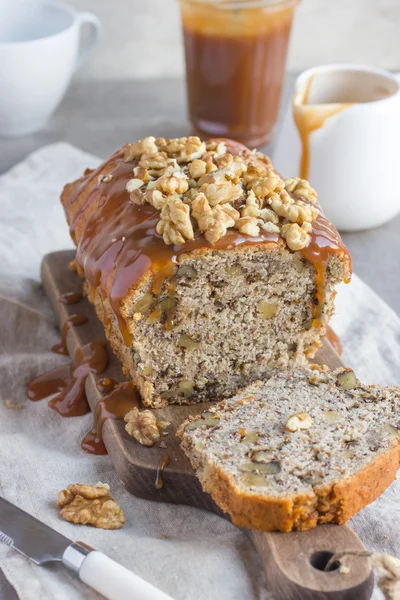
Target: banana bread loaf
303,448
206,268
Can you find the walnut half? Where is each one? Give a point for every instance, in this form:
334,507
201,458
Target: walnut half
142,426
90,505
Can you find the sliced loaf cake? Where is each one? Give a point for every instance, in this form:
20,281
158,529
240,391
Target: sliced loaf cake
304,447
204,265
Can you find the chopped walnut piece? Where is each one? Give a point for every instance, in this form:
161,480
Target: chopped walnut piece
105,178
141,173
318,376
268,226
298,421
173,183
133,185
295,211
156,198
266,184
175,225
248,226
142,426
301,187
186,149
213,222
158,160
145,146
197,168
296,237
220,193
90,505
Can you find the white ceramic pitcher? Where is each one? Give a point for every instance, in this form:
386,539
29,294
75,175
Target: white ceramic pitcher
342,132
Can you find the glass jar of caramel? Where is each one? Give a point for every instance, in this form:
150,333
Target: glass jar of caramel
235,62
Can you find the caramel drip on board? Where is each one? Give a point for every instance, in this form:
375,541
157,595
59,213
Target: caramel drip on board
92,444
113,406
73,320
118,243
334,339
70,298
159,483
106,384
309,118
71,400
49,383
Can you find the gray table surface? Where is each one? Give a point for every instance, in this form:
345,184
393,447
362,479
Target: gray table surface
100,116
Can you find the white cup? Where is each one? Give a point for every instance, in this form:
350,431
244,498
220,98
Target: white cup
39,52
348,118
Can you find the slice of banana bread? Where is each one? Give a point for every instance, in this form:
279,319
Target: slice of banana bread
204,265
303,448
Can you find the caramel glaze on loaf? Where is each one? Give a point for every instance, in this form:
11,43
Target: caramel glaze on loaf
119,250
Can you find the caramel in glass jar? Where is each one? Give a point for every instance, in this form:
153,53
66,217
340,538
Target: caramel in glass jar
235,63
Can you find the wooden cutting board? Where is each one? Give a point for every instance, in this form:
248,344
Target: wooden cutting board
293,562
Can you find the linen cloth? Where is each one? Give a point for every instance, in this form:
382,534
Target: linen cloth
187,552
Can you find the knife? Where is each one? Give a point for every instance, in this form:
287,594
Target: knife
41,544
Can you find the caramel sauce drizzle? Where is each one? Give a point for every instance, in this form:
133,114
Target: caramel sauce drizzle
325,241
70,298
71,400
309,118
106,384
113,406
159,483
118,243
49,383
73,320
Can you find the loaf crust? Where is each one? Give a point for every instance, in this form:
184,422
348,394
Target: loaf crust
335,503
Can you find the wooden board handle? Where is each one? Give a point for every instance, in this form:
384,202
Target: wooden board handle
294,562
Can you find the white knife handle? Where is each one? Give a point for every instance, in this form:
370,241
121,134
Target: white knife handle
114,581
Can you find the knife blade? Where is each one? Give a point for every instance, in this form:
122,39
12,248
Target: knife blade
41,544
30,537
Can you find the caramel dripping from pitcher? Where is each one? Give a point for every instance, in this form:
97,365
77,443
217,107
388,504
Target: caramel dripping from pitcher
113,406
73,320
308,121
71,400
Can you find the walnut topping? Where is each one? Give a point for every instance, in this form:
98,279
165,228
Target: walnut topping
175,225
133,185
105,178
296,237
301,187
90,505
298,421
201,186
197,169
142,426
213,222
248,226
